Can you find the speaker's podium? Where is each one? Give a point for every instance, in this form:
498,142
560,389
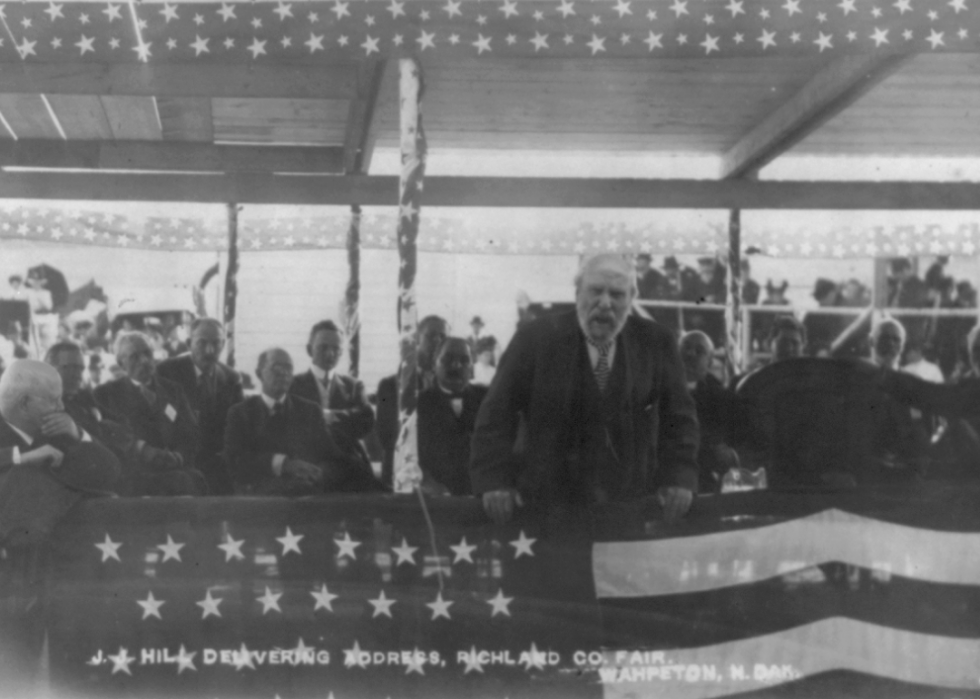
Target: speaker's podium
826,424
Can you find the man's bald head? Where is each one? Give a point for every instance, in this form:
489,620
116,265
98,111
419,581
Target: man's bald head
696,351
29,391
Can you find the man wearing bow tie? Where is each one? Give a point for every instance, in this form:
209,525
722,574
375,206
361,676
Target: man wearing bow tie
346,411
446,417
278,444
160,418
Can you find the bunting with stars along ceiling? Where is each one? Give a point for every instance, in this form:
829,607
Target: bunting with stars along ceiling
788,234
267,32
850,593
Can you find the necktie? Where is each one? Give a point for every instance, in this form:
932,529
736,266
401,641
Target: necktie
277,409
148,395
602,369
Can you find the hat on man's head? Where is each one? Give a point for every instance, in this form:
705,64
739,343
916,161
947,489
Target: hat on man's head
671,263
822,288
477,320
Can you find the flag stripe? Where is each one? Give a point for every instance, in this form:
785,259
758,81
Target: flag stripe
806,596
674,566
831,644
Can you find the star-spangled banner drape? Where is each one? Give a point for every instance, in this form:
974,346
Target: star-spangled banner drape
789,235
265,32
341,597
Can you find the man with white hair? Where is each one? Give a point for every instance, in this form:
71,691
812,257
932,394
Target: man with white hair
161,419
30,404
600,398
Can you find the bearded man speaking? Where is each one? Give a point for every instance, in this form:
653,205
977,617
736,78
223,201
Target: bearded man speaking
600,401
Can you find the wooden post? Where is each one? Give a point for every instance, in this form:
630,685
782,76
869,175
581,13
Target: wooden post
733,299
352,294
231,284
407,473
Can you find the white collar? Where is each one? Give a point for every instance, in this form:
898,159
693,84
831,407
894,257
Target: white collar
322,375
270,403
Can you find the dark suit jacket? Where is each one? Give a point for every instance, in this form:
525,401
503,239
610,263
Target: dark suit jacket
153,424
226,391
444,439
104,427
386,426
655,415
355,417
252,439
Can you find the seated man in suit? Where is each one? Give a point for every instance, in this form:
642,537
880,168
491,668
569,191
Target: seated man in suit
161,419
447,415
278,444
432,331
211,389
80,406
348,415
715,408
32,412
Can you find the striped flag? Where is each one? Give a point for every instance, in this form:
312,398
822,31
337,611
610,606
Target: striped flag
856,594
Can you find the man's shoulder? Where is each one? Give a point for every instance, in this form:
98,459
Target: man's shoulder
226,374
301,406
174,366
303,383
248,406
646,330
475,392
110,389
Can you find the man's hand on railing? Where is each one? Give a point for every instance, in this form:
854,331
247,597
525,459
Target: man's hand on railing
499,504
675,502
302,470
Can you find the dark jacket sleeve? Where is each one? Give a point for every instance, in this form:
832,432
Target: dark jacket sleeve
949,400
357,420
387,422
494,461
247,465
677,445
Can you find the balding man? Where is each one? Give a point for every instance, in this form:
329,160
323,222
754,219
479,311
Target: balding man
602,402
278,444
162,421
211,389
32,412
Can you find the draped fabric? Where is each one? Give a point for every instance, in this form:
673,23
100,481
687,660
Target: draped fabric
862,593
407,473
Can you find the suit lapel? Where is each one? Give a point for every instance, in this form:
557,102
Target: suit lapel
564,362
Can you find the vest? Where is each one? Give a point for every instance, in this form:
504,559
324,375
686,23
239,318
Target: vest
596,468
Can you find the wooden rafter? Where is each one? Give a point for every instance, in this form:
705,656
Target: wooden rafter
335,81
493,191
361,132
168,156
825,95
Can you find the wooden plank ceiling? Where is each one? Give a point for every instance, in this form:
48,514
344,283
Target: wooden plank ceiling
329,120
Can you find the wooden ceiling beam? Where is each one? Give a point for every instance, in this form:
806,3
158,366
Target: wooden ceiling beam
173,156
337,81
493,191
838,85
361,132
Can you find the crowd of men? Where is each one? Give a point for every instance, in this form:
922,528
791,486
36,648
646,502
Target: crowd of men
586,408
